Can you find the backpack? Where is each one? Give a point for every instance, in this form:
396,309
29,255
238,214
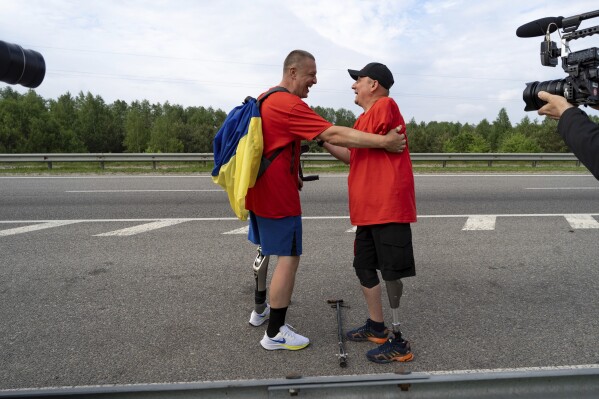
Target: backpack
238,152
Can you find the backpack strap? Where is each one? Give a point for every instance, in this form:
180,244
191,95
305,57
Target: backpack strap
265,162
264,96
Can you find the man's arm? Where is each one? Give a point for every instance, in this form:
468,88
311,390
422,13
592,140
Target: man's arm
581,135
347,137
341,153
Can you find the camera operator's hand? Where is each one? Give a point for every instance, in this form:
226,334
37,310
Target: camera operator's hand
555,107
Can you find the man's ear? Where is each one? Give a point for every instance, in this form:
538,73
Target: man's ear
374,86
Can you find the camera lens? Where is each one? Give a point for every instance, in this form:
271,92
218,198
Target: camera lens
531,93
20,66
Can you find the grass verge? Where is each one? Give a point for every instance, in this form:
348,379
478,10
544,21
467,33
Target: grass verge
62,168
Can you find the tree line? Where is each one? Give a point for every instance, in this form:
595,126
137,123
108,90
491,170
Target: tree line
86,124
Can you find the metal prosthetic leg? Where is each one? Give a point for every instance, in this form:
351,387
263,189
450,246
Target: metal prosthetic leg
260,267
394,292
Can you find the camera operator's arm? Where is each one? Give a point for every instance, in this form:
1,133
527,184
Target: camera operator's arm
576,128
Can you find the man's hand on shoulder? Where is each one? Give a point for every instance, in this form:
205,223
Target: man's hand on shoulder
396,142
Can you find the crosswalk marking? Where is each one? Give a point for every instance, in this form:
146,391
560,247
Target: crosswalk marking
142,228
480,222
582,221
36,227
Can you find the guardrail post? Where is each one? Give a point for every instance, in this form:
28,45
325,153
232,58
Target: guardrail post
154,165
101,164
49,165
490,163
534,164
444,163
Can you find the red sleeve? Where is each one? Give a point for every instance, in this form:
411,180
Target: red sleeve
305,123
386,116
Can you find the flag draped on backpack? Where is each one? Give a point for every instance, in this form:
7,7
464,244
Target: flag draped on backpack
238,147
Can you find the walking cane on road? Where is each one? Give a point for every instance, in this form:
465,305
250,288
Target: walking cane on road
337,303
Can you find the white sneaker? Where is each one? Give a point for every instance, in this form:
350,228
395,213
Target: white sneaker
285,339
257,319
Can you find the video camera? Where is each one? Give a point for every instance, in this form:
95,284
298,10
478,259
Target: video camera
20,66
581,86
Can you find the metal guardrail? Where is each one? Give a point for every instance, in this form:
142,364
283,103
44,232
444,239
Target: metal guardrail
102,158
578,382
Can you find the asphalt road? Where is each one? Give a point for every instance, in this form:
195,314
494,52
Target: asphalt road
133,279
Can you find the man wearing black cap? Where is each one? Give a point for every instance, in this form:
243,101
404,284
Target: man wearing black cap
382,205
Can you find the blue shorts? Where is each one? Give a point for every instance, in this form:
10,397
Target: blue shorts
282,237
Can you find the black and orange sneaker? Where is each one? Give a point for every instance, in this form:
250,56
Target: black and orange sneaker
394,350
367,333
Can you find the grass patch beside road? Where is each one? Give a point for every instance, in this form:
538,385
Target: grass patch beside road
62,168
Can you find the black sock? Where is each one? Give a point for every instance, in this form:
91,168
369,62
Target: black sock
377,326
276,321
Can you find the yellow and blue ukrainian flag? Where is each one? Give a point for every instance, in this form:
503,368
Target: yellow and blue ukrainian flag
238,147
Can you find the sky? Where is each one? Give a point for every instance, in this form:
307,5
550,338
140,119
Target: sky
452,60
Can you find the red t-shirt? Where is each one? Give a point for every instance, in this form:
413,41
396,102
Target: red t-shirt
286,119
381,183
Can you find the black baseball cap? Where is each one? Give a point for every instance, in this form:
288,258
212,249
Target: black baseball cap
376,71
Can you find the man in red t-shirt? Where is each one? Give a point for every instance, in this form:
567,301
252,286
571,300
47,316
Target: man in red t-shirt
274,203
382,204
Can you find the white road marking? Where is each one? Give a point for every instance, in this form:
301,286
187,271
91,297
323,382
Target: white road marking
562,188
136,191
474,222
582,221
142,228
36,227
480,222
517,369
243,230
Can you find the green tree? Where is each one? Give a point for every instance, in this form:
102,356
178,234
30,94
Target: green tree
484,130
138,125
466,141
95,126
24,124
418,139
326,113
202,125
501,127
344,117
166,130
547,136
40,134
11,136
64,114
518,142
118,111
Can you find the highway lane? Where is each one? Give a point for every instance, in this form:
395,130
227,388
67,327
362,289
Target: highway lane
80,307
196,196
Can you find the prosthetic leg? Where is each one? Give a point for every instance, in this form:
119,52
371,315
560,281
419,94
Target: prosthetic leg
260,267
394,292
